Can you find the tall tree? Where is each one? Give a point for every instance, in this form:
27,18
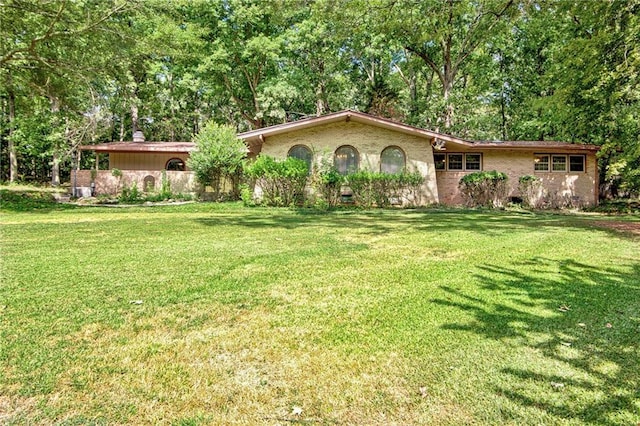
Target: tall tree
44,44
443,34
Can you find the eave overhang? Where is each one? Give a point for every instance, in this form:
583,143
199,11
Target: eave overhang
159,147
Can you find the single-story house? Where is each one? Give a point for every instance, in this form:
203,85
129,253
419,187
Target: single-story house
357,141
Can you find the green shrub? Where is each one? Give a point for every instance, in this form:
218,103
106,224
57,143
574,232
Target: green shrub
117,173
218,158
165,189
531,191
383,189
246,195
327,184
282,182
488,189
130,194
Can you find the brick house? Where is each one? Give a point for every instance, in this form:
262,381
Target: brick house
356,141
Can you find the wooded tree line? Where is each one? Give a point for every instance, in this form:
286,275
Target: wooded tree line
75,72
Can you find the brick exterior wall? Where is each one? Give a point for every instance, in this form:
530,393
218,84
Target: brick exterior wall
106,183
579,186
369,141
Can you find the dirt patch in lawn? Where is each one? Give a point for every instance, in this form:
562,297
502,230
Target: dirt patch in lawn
620,226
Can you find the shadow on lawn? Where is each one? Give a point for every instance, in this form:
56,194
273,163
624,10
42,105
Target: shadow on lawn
383,221
588,337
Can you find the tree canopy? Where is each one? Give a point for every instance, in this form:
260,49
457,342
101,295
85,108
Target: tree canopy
91,72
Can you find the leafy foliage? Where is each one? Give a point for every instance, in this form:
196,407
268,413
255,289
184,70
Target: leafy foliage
531,190
327,184
282,182
218,158
90,72
383,189
486,189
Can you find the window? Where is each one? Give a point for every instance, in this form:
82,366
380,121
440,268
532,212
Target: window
346,159
541,163
392,160
455,161
301,152
175,164
472,162
559,163
576,163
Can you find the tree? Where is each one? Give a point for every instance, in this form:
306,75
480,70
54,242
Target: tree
42,45
443,34
219,156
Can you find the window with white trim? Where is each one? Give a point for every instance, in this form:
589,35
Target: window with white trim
576,163
559,163
541,163
472,162
457,161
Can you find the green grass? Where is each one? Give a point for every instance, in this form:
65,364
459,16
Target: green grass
249,316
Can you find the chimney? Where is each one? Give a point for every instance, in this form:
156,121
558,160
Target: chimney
138,136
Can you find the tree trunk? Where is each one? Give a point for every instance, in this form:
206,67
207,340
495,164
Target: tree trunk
55,169
13,154
122,129
134,117
321,102
55,163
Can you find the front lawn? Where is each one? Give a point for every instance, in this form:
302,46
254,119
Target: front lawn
219,314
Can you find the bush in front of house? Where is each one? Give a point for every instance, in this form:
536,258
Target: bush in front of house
282,182
219,157
484,189
383,189
327,184
531,190
130,194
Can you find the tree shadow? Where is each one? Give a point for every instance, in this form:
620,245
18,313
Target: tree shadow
30,202
488,223
581,322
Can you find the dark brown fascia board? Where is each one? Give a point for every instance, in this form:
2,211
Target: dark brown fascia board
536,146
164,147
346,115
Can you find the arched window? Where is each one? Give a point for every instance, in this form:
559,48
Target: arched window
346,159
392,160
175,164
302,152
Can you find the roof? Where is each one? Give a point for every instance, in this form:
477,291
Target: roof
166,147
256,137
538,145
346,115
